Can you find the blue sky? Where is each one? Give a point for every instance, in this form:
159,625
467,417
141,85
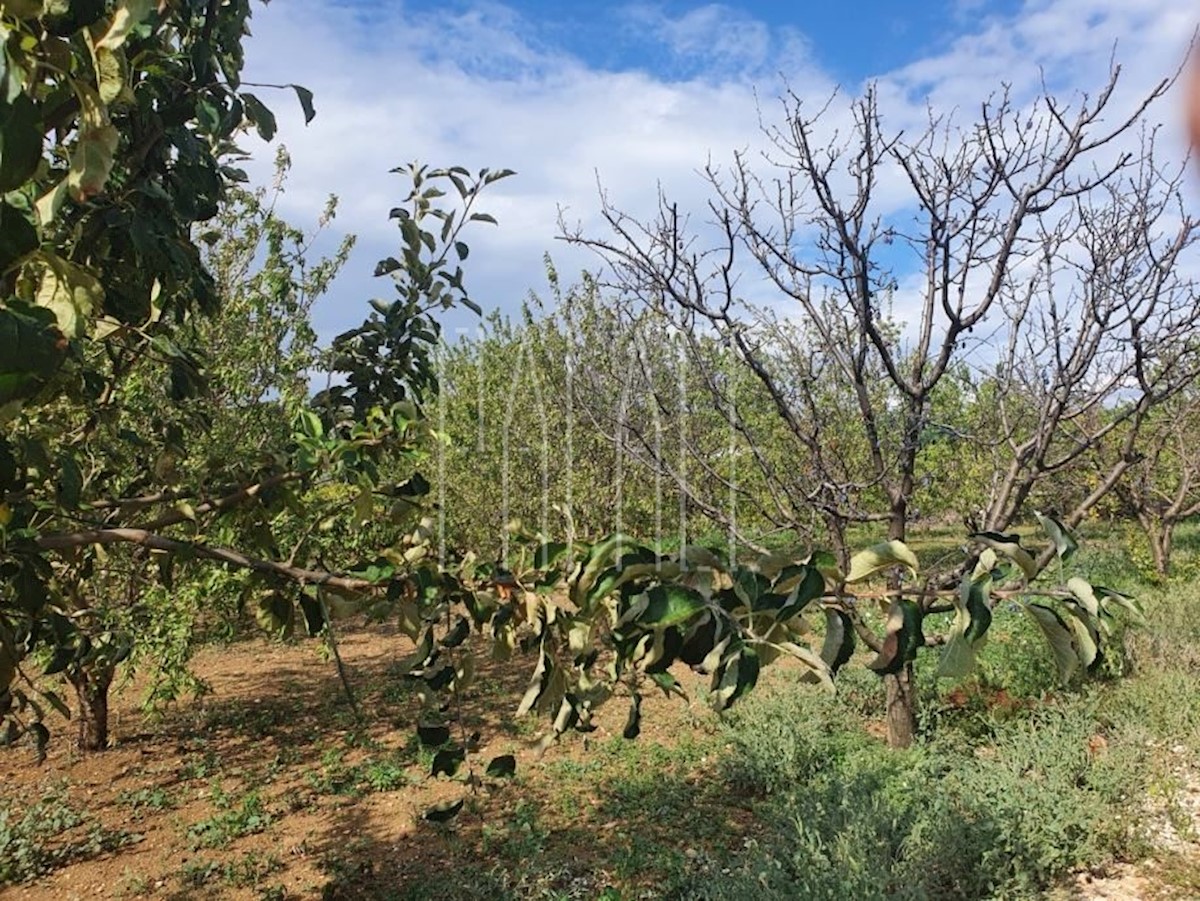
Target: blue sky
633,96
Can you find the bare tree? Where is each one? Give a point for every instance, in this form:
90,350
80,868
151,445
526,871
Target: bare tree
1040,246
1163,488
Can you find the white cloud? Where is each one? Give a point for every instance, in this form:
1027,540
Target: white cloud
478,89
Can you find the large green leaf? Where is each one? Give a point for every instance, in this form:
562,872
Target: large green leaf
811,585
18,234
31,351
1082,591
737,674
880,557
902,640
972,618
1060,636
95,145
1010,547
838,646
20,142
71,292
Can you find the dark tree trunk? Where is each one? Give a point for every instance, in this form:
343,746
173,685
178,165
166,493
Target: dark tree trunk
91,694
900,689
901,707
1160,546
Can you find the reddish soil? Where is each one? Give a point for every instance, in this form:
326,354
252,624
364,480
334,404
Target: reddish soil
276,720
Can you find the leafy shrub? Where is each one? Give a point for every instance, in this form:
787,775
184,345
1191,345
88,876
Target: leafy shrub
1045,796
46,835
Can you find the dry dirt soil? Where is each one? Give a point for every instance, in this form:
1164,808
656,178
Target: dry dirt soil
269,787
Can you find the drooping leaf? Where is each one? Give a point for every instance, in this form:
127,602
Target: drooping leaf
735,676
18,234
458,634
1065,544
275,613
818,671
537,685
69,291
1083,592
31,351
259,116
305,96
95,145
1086,637
880,557
1059,635
1010,546
20,142
838,647
699,640
811,585
1110,598
127,15
902,639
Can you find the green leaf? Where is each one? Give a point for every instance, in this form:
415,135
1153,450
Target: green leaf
670,605
902,640
1065,544
1010,546
305,96
880,557
275,613
18,235
838,647
1082,591
259,116
20,142
1059,635
549,554
95,145
736,675
71,292
502,767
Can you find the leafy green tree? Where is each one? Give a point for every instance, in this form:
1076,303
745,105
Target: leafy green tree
119,123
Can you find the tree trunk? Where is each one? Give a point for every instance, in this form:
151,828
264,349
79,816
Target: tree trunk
1160,546
901,707
91,693
900,689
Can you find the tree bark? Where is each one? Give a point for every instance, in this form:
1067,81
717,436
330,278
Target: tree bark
901,707
900,688
91,694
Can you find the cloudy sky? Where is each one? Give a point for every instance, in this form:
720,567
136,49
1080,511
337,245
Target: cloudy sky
634,95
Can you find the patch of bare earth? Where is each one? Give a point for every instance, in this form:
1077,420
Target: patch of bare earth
340,800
